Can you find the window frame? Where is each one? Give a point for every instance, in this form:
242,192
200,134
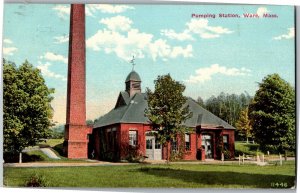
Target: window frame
131,141
187,143
225,144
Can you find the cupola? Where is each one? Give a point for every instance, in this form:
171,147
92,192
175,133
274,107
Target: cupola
133,83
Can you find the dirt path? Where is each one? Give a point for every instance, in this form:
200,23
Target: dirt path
103,163
48,152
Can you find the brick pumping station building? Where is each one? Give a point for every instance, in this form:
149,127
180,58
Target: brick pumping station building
125,128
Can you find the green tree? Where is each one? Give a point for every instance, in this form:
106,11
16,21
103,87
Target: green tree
272,114
228,106
200,101
26,107
243,125
166,109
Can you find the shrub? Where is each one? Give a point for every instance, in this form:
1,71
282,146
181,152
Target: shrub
37,181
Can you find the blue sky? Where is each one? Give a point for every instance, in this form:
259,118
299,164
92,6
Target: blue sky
208,55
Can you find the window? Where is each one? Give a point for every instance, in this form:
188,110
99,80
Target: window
174,146
157,144
133,138
225,142
187,138
149,144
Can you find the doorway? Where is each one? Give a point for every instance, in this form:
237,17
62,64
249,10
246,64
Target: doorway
207,146
153,148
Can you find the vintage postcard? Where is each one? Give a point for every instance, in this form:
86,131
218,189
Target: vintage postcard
149,96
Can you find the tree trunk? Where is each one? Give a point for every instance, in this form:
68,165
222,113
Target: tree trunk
285,155
20,157
168,152
247,140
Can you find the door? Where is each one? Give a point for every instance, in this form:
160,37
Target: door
207,146
153,148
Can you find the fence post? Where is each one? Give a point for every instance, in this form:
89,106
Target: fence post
280,158
263,158
239,159
285,155
243,158
222,158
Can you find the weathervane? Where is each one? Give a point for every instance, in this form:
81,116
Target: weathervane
132,62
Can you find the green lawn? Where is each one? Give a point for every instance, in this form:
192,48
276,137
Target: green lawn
51,142
56,145
175,175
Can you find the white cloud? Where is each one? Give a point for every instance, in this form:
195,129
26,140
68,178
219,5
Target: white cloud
132,42
261,11
201,28
61,39
196,27
170,33
106,8
7,41
117,23
62,10
205,74
9,50
47,73
54,57
290,34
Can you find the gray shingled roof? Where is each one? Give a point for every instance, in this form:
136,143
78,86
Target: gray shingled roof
134,112
203,117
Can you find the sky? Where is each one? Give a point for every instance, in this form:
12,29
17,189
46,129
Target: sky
208,54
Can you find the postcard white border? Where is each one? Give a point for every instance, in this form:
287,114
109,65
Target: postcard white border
71,190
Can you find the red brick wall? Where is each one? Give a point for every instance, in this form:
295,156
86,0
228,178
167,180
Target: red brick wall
76,141
76,108
124,135
75,144
231,139
191,154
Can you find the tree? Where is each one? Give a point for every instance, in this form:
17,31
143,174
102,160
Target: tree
26,107
89,122
166,109
228,106
200,101
243,125
272,114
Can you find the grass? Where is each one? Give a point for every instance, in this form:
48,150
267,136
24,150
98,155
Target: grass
38,156
175,175
51,142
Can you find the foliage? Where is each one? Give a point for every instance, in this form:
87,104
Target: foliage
57,132
227,154
228,106
246,148
132,153
243,125
272,114
26,110
200,101
37,181
180,152
166,109
89,122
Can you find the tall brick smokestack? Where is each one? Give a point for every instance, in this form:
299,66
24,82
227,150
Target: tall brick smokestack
75,144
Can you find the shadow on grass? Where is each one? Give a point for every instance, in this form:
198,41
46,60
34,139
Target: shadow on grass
219,178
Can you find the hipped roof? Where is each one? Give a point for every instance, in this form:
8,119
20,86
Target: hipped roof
133,111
